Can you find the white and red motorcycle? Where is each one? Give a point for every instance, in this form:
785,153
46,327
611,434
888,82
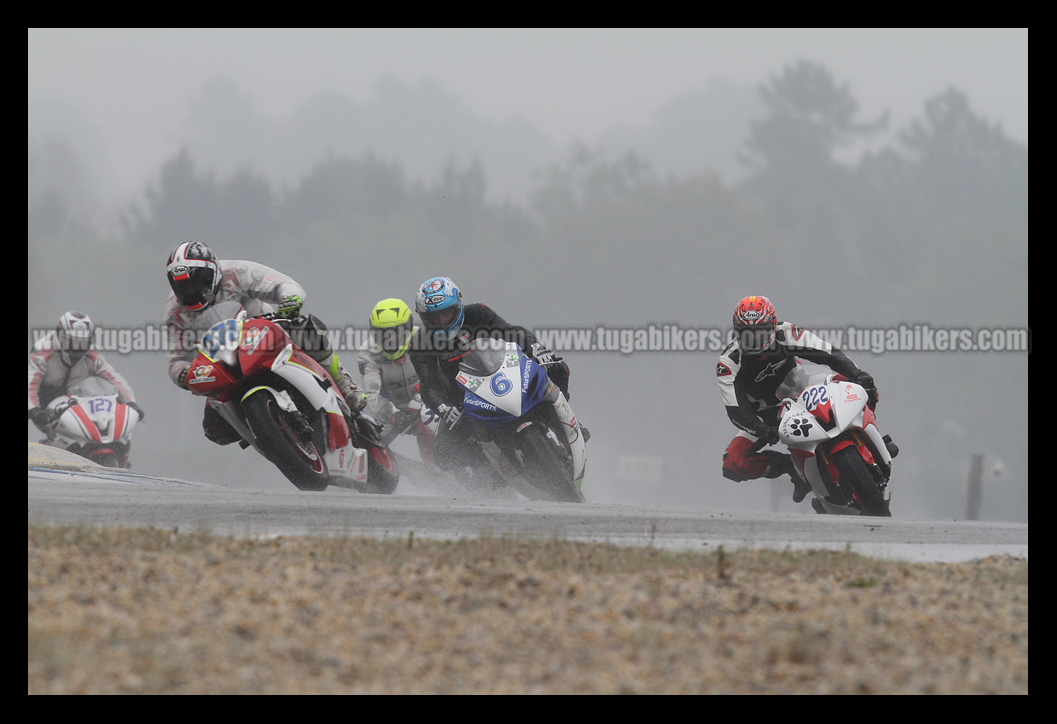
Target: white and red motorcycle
285,405
92,421
834,441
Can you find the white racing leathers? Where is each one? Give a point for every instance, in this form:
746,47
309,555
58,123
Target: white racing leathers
49,375
390,385
258,288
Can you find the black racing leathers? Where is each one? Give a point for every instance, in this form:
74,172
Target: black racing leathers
748,383
437,361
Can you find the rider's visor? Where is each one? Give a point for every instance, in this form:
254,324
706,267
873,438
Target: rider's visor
754,340
193,288
440,318
393,339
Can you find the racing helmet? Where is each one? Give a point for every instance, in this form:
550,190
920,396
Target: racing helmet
391,328
754,324
73,334
439,306
194,275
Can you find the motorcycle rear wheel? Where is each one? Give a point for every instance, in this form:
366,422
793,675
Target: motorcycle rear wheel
855,474
544,469
301,463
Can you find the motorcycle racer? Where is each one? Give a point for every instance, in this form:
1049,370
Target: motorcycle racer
388,376
449,328
199,280
749,372
64,357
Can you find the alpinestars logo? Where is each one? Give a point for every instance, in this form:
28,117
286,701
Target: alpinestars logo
722,370
769,371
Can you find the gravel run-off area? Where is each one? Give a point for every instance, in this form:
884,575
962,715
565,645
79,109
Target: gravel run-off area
144,610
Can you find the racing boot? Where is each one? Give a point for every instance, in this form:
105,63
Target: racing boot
782,464
800,488
355,397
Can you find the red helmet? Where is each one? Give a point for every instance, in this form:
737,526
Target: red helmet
194,275
754,324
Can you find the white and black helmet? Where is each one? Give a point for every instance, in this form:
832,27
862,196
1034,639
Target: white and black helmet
73,334
194,275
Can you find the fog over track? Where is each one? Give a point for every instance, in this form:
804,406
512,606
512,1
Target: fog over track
104,497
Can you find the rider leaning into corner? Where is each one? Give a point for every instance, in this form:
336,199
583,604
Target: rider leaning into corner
449,328
64,357
387,375
199,280
749,372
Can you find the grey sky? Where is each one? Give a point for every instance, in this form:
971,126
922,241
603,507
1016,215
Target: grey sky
135,84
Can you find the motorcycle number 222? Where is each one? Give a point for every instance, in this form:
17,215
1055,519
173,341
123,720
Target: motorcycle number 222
814,396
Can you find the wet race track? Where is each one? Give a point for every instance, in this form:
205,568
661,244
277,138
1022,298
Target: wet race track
103,497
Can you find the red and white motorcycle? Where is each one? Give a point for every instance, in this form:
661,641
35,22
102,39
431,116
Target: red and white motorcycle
834,441
285,405
92,421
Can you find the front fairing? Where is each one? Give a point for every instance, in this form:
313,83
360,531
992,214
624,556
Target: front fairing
501,383
97,419
821,412
233,349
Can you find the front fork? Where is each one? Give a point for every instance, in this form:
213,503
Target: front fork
573,434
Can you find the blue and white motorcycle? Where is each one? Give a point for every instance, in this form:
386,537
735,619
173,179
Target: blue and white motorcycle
513,404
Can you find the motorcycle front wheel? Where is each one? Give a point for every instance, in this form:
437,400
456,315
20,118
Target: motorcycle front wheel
854,473
301,462
543,468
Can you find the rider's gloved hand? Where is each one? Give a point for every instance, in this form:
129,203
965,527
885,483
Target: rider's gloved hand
449,415
181,381
290,306
40,417
866,382
544,356
768,434
557,369
138,409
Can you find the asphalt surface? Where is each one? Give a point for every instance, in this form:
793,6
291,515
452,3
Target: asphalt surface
100,497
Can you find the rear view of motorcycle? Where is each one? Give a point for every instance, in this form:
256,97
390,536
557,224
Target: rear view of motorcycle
836,446
286,407
514,405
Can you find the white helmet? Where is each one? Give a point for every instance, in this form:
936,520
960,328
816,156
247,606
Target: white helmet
74,336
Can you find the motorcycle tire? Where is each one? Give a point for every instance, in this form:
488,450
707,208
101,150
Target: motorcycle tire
382,474
854,473
544,469
301,463
380,479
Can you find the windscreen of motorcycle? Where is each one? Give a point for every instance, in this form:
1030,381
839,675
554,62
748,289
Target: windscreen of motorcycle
486,356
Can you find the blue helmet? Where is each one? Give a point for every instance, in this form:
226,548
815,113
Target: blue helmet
439,306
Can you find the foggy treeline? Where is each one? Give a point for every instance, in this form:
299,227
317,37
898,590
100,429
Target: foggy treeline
929,226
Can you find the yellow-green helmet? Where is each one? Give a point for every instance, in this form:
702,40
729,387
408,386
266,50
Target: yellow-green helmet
391,328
